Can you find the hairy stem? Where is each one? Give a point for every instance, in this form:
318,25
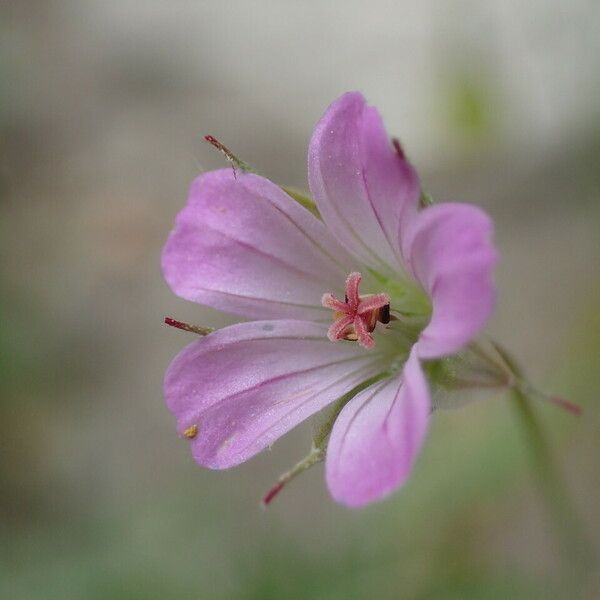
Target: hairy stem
575,544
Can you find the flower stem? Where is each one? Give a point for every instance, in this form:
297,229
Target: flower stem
575,544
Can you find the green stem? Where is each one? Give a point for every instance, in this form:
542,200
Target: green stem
575,544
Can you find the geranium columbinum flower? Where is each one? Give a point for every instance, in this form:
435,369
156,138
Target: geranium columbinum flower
360,301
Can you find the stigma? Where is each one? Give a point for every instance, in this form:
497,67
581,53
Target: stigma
355,318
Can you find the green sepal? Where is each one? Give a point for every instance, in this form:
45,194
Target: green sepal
321,436
462,377
302,199
235,161
425,199
319,445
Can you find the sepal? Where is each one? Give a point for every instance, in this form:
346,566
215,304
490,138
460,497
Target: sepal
319,445
462,377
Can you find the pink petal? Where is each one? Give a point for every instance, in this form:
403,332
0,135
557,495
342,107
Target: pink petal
242,245
363,188
449,249
377,437
244,386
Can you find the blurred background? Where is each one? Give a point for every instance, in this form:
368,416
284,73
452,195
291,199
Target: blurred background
103,105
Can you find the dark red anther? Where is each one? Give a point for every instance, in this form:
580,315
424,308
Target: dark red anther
384,314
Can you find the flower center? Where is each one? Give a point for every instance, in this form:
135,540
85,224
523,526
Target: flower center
356,317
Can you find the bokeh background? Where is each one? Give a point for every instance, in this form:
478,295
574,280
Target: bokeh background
103,104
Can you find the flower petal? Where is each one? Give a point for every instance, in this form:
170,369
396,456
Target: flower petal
363,188
244,386
242,245
377,437
450,251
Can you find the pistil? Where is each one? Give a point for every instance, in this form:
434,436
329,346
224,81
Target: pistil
356,316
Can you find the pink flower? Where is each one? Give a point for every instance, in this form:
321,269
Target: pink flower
242,245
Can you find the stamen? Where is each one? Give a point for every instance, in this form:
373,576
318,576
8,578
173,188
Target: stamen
356,317
384,314
191,432
373,302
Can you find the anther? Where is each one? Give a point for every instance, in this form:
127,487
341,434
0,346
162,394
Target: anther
191,432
